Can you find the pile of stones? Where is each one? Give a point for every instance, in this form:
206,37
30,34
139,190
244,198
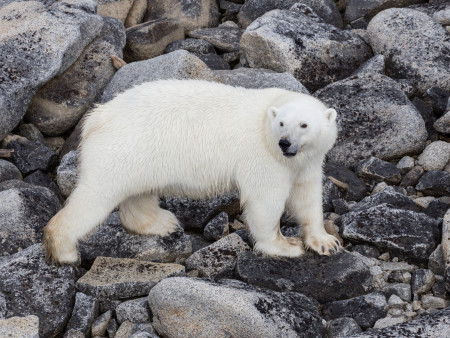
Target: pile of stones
384,66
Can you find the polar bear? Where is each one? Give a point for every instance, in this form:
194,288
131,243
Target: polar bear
198,139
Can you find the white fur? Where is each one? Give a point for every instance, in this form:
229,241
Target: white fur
199,139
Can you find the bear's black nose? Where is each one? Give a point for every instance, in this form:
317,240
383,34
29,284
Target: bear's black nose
284,144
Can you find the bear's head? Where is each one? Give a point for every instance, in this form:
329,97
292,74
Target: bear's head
303,124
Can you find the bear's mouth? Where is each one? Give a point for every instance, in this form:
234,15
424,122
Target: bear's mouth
287,154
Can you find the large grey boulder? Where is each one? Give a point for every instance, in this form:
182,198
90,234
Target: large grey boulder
315,52
191,14
230,309
179,64
404,233
32,54
375,118
253,9
259,79
112,240
28,286
343,275
23,214
58,105
414,46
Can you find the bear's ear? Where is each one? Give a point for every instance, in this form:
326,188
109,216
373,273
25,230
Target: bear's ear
272,112
330,114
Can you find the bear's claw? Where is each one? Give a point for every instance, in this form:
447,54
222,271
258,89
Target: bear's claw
323,243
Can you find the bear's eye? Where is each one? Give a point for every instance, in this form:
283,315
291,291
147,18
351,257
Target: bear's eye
303,125
281,124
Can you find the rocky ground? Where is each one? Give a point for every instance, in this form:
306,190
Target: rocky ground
385,69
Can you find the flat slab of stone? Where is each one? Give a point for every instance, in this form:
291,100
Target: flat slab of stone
230,309
116,278
404,233
435,183
341,276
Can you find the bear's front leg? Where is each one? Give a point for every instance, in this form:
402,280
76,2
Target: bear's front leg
262,213
305,204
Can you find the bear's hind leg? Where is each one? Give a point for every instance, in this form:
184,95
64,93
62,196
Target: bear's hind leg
84,210
142,215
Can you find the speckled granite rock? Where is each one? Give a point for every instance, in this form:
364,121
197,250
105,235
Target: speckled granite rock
233,305
18,327
23,214
31,287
